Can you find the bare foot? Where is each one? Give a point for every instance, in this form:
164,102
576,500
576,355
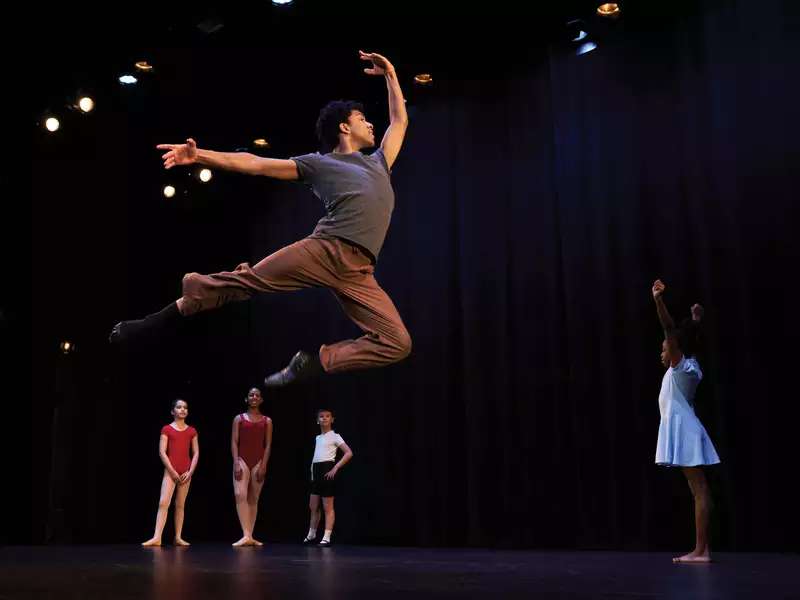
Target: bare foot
181,542
693,558
245,541
152,542
255,542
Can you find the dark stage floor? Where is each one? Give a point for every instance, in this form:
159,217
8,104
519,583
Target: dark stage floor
284,571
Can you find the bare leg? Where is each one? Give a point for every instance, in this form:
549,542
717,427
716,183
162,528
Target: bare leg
167,487
242,509
180,502
702,511
313,522
253,494
330,515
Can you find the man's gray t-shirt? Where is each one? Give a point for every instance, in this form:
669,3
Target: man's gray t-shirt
357,194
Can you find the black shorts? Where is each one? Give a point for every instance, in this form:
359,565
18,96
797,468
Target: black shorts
319,485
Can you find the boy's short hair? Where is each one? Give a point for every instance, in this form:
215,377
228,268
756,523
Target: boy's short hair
320,410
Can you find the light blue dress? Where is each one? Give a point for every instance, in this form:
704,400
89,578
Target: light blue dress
682,439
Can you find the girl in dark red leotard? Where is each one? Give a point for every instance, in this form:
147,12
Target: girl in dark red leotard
251,440
173,448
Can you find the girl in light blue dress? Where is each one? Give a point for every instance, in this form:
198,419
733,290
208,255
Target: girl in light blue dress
682,439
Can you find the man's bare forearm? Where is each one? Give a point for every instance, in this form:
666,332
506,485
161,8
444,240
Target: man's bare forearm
249,164
241,162
397,105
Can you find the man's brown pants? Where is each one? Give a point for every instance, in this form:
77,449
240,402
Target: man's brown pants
314,262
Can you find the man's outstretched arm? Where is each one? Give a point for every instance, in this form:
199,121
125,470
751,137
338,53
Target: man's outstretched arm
398,117
240,162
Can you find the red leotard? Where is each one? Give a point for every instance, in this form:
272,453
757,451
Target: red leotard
178,443
252,440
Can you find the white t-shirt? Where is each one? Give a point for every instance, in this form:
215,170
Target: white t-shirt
327,444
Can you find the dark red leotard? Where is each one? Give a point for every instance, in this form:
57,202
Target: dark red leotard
252,440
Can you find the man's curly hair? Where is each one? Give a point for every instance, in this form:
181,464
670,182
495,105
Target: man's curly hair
331,115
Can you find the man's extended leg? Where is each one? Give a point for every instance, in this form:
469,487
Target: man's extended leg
386,339
290,268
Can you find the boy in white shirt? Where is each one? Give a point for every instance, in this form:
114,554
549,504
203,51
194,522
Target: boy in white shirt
323,473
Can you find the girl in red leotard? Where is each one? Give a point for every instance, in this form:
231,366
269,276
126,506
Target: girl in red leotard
251,440
173,448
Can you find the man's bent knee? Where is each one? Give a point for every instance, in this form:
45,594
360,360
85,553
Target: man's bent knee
401,345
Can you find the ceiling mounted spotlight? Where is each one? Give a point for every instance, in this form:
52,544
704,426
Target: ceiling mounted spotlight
86,104
609,10
52,124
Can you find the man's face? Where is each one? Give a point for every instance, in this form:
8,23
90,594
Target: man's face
361,130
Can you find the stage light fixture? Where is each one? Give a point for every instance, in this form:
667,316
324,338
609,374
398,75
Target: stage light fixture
52,124
423,79
260,143
128,79
609,10
86,104
169,191
577,31
143,66
67,347
585,47
205,175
